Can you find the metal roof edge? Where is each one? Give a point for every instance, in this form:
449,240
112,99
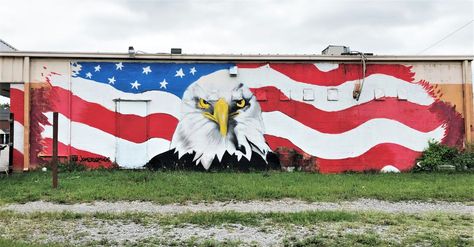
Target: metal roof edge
231,57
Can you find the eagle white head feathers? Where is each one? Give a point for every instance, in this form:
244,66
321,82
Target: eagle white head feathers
219,114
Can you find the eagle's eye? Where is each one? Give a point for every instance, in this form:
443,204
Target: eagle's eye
241,103
203,104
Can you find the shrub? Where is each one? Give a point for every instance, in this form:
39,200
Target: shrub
437,154
464,160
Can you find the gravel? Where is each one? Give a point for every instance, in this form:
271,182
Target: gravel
286,205
126,232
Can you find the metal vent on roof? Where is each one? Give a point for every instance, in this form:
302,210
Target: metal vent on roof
336,50
176,50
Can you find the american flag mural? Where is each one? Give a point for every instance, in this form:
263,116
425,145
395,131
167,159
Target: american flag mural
131,112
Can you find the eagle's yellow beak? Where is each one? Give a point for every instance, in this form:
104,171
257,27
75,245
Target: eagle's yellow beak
220,116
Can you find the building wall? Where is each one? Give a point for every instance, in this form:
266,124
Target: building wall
163,113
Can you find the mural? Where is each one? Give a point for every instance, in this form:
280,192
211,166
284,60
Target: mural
206,116
221,123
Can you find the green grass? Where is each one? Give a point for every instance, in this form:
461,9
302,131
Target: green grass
306,218
16,243
375,240
191,242
171,187
204,218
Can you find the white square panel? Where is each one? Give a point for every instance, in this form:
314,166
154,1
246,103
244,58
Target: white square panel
379,94
308,95
233,71
402,94
333,94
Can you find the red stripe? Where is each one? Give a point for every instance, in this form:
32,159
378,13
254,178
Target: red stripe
309,73
86,158
374,159
17,104
415,116
250,65
16,107
161,125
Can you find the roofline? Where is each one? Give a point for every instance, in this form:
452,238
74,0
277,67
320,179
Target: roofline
231,57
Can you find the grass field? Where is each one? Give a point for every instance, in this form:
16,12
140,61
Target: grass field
170,187
308,228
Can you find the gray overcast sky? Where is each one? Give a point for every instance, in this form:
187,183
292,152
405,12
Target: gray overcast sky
238,26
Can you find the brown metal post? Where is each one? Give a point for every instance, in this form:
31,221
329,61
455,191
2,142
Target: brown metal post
55,150
10,142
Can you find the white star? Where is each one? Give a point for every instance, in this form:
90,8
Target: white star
163,84
146,70
179,73
135,84
119,66
75,68
192,70
112,80
88,75
97,68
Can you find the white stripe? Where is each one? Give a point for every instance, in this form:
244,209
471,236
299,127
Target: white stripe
104,95
265,76
18,136
351,143
93,140
326,67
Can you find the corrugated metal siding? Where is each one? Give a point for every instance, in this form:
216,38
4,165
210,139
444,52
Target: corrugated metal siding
11,69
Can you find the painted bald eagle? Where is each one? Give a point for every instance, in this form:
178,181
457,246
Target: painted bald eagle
220,127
